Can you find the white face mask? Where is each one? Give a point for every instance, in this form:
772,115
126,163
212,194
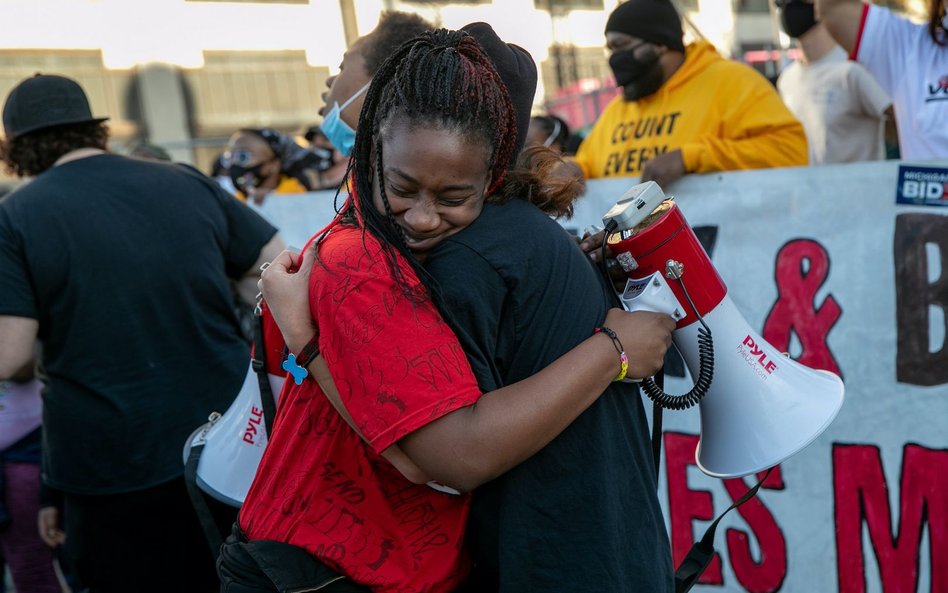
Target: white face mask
339,133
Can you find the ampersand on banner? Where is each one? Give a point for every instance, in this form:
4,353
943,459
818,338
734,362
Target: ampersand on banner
795,309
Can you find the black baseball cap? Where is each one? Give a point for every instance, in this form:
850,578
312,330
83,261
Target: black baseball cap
44,101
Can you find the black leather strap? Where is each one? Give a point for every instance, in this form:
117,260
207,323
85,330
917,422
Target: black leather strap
259,363
205,517
701,554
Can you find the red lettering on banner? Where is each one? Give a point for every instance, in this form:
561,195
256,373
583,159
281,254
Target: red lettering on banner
795,310
861,496
767,574
686,505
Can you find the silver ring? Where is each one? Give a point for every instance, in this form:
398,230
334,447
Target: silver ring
264,266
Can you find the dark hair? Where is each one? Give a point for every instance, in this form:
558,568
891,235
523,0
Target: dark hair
550,124
445,80
394,29
540,178
31,154
935,28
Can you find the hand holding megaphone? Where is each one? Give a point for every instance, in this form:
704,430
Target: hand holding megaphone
645,335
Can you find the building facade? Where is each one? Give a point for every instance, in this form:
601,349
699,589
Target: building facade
184,74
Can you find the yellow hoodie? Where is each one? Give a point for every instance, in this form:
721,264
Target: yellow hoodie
723,115
288,185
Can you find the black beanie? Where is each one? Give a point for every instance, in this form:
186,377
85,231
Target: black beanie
655,21
518,71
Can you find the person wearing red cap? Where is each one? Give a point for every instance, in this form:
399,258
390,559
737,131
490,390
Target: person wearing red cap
683,109
121,268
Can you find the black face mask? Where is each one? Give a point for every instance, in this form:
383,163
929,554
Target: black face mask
638,77
797,18
245,178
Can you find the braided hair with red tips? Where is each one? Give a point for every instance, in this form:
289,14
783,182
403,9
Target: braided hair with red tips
442,80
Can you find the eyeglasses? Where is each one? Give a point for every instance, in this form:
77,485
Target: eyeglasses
241,158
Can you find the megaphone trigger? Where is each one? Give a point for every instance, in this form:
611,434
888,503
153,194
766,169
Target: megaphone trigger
651,294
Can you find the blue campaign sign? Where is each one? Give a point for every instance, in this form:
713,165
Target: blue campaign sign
922,186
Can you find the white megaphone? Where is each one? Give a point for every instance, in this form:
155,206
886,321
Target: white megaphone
233,443
759,407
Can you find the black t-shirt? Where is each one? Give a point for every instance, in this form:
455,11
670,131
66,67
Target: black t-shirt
125,264
582,514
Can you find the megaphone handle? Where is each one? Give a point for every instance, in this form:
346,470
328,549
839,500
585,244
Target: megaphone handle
652,293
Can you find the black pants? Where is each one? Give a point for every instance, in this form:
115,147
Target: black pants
147,541
274,567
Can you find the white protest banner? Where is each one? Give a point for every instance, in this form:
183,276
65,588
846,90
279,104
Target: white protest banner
827,266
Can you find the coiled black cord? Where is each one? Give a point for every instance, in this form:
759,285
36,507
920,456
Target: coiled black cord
702,383
705,349
705,369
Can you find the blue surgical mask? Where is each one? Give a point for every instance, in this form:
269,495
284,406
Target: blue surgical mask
337,131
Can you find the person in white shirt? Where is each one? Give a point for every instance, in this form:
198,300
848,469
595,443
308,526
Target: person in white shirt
841,107
908,60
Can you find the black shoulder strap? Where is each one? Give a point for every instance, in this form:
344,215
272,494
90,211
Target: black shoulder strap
659,379
702,552
199,503
259,363
700,555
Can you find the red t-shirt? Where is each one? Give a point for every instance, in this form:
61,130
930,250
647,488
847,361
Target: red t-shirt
397,367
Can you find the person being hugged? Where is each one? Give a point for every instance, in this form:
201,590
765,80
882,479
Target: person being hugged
342,499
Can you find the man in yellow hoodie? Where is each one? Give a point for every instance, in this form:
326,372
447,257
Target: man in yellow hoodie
683,109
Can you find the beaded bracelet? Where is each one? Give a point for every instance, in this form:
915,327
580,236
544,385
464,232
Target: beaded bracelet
617,344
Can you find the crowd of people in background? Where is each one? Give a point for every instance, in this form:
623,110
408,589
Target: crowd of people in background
127,339
829,106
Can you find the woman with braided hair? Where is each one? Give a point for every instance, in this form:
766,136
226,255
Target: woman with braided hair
369,498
